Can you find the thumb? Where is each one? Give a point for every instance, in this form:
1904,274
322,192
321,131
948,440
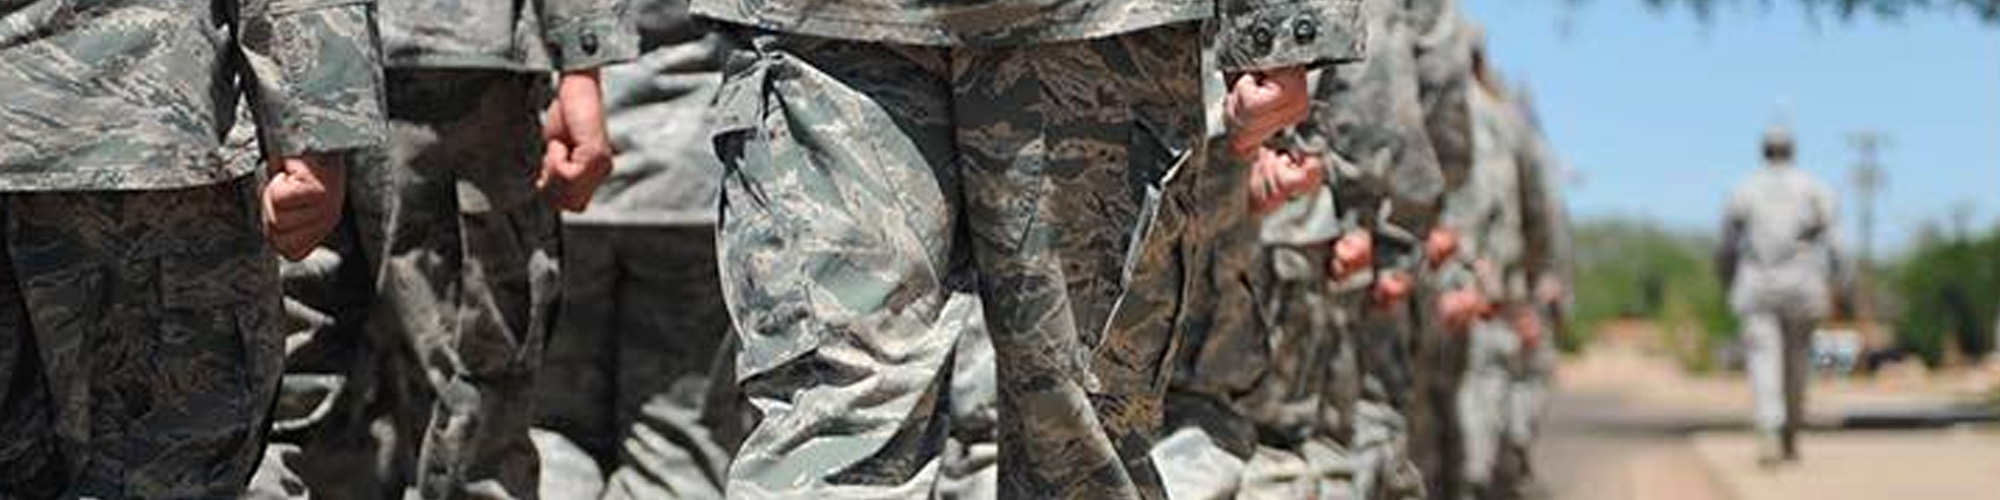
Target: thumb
553,157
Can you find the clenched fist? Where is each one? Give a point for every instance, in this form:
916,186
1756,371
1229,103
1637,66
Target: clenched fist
578,151
302,202
1262,103
1352,253
1278,176
1440,246
1459,308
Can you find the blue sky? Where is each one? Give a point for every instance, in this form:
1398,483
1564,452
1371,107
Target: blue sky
1660,112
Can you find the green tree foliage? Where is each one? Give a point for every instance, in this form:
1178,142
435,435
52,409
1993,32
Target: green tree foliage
1949,289
1629,269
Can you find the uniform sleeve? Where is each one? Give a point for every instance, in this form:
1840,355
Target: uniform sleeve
1539,206
314,76
1267,34
584,34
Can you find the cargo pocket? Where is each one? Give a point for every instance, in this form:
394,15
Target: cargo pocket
1136,350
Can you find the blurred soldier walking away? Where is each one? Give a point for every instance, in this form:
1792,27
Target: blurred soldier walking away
1777,258
138,296
629,369
1055,155
419,330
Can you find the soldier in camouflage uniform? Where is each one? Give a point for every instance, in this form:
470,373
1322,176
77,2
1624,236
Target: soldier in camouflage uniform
1312,432
875,149
642,320
427,317
1444,73
1491,214
1549,273
138,297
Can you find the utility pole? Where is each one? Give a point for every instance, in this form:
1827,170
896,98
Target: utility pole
1868,182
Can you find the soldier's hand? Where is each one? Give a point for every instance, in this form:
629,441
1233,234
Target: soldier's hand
1261,103
1529,328
1352,253
302,202
578,155
1439,246
1390,289
1549,290
1459,308
1277,176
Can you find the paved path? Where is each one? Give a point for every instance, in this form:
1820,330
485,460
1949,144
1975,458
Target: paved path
1627,425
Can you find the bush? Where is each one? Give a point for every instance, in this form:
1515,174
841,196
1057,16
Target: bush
1948,289
1629,269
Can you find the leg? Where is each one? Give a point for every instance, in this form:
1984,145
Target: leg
837,230
1764,347
670,325
1482,406
1070,155
463,252
31,463
157,308
1798,374
576,390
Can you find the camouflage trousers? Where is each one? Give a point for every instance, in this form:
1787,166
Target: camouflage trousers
1197,465
137,351
636,371
641,310
1381,435
1286,437
418,328
1499,398
861,177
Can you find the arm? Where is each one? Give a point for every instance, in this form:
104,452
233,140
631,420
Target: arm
313,78
582,36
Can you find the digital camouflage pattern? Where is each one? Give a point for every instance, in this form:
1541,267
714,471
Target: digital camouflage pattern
641,314
520,35
1511,239
428,311
1385,180
138,295
1253,34
138,95
135,355
1065,171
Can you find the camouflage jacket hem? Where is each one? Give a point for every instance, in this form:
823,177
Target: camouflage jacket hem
125,178
643,218
852,24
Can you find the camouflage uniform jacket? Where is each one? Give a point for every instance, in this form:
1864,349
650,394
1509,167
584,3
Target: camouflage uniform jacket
138,94
1253,34
519,35
1486,210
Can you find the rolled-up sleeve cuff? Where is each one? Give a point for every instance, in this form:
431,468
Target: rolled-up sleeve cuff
1260,35
318,77
591,40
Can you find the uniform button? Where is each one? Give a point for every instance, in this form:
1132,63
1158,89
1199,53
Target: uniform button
589,44
1261,35
1305,30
